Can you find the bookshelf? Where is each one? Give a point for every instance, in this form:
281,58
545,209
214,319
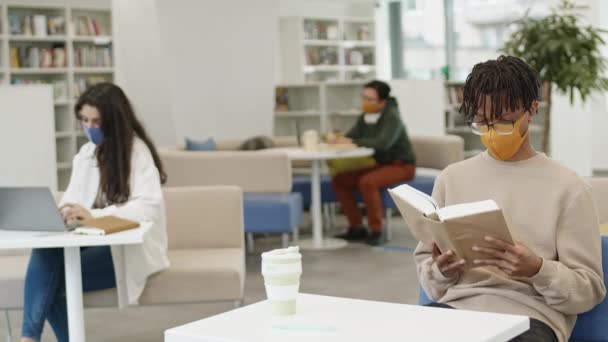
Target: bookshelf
69,47
321,106
455,123
334,49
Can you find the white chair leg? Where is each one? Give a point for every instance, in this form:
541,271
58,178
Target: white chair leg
237,303
325,210
295,236
285,240
250,243
332,214
8,326
389,215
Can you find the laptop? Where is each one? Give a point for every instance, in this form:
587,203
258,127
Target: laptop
30,209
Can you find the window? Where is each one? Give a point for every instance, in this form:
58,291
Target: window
476,31
423,40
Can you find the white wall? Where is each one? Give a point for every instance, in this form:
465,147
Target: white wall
76,3
571,134
326,8
140,68
198,68
27,137
220,60
422,104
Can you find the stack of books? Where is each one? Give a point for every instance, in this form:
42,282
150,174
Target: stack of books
92,56
38,57
86,26
36,25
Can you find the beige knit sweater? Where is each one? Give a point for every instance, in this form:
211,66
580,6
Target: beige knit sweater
551,210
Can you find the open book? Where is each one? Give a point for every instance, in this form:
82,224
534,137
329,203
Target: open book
457,227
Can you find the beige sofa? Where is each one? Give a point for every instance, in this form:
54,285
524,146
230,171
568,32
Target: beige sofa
251,171
267,172
432,151
437,151
205,231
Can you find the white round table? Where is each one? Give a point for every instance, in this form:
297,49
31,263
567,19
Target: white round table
318,242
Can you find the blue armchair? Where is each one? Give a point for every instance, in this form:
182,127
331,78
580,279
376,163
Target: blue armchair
591,326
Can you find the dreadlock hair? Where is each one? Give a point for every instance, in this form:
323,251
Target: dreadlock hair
508,81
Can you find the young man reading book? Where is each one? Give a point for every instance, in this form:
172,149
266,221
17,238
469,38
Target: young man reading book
552,271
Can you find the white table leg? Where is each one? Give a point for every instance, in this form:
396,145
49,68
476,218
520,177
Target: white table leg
318,242
73,291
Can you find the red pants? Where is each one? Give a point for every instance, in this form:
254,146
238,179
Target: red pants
369,181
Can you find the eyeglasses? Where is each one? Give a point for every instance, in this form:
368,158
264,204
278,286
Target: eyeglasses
505,127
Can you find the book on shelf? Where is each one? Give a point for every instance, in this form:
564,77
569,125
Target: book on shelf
59,59
359,57
92,56
454,93
26,26
320,30
26,56
364,33
281,100
321,55
56,25
86,26
15,58
46,58
38,25
14,24
456,227
83,83
60,90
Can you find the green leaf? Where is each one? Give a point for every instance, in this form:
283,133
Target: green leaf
563,48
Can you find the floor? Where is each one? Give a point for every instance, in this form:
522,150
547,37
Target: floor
357,271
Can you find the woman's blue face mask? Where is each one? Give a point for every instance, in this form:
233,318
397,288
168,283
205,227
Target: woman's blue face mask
94,134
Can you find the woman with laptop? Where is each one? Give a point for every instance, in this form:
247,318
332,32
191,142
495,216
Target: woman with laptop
117,173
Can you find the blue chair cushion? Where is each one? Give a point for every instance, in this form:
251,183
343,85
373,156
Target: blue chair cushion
272,212
200,145
423,299
423,183
593,325
301,185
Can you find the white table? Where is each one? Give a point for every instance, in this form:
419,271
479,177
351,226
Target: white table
71,244
316,157
321,318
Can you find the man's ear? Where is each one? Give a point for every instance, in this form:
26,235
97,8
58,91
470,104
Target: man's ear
533,110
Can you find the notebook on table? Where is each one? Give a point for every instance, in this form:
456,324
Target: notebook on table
457,227
105,225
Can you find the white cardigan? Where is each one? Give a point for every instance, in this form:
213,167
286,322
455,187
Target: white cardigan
145,204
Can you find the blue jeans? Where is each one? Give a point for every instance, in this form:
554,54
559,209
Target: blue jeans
45,287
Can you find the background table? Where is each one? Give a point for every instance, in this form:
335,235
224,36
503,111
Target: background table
321,318
316,157
71,244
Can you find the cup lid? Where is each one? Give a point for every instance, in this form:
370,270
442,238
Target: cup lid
283,253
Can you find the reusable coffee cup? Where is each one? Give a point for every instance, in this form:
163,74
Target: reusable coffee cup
282,269
310,140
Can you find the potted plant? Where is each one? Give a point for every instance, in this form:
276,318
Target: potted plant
564,51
